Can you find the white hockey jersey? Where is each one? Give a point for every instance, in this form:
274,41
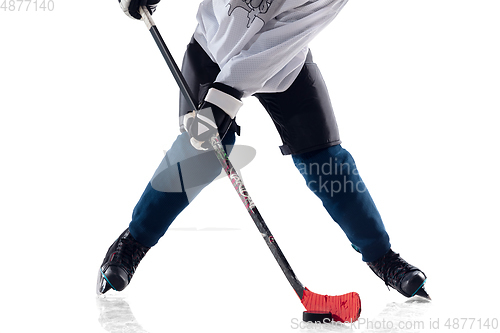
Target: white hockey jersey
261,45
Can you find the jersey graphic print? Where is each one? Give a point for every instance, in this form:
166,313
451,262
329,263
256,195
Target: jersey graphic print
254,8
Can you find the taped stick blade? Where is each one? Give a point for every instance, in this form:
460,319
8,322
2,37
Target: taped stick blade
344,308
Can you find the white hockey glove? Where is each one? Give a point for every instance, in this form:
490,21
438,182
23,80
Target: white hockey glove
131,7
217,113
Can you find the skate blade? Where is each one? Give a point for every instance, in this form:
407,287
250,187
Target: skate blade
102,284
422,293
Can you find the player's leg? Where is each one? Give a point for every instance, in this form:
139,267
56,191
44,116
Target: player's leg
180,177
332,175
305,120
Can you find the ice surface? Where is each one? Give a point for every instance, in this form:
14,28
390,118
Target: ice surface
413,315
115,315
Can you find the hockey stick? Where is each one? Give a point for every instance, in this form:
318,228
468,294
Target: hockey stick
344,308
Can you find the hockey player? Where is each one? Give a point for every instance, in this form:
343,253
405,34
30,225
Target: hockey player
243,48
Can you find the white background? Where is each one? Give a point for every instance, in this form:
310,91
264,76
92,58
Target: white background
88,106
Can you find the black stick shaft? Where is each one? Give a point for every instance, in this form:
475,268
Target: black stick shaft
225,162
179,78
240,188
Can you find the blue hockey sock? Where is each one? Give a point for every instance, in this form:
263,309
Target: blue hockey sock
332,175
182,174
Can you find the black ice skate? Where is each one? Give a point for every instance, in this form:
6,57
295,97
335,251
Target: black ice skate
400,275
120,263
